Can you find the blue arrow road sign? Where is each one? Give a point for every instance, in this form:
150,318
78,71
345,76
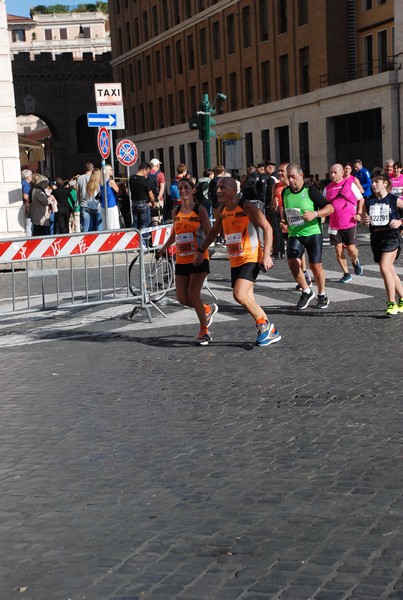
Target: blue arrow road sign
101,120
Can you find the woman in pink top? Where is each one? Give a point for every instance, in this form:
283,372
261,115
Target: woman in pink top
396,181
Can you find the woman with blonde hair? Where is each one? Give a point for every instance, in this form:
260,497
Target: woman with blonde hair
110,215
94,200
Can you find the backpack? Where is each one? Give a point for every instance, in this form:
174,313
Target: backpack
174,190
154,182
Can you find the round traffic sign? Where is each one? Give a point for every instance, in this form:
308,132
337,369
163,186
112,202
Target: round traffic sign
104,142
127,153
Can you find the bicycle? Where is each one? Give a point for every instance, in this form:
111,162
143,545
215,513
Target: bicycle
159,275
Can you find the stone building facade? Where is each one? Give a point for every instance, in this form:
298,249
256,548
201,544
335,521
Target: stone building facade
307,80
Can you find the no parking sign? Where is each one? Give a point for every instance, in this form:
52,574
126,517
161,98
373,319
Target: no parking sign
126,153
104,142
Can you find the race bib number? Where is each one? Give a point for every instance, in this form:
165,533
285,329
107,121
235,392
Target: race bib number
379,214
234,244
294,217
185,244
332,231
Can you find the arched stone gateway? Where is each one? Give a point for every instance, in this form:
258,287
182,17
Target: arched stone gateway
61,92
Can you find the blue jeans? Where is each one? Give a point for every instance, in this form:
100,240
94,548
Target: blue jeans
90,220
141,216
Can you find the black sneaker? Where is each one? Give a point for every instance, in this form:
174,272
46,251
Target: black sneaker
305,299
323,301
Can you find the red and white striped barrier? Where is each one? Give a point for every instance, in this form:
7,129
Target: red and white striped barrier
160,234
35,248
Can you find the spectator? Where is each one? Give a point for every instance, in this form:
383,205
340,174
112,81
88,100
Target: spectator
142,197
26,179
82,182
41,207
64,207
110,212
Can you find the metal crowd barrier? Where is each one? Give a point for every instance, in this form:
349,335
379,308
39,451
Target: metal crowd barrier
80,269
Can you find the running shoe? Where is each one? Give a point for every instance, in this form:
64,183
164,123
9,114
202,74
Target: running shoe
392,309
203,338
210,314
323,301
400,305
306,298
267,334
308,282
346,278
358,270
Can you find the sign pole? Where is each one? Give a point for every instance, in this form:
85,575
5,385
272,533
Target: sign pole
105,192
130,194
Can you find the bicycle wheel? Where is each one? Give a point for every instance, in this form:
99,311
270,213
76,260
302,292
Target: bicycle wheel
135,277
161,278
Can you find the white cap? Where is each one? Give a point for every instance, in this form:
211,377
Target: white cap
155,161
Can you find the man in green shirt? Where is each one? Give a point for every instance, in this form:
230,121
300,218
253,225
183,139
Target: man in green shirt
304,208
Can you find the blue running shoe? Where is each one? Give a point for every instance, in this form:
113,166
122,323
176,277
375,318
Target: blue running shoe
358,270
346,278
267,334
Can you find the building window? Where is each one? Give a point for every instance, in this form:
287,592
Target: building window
233,91
249,148
139,75
165,15
158,66
171,155
182,155
134,127
154,15
142,124
284,77
382,51
265,74
205,87
230,34
145,26
304,69
120,41
368,56
216,40
168,66
148,70
136,32
218,88
48,35
128,37
63,34
160,113
171,110
192,100
282,16
191,52
381,2
179,58
181,106
303,131
18,35
131,78
203,46
302,12
151,114
367,4
266,144
246,35
188,8
177,15
249,87
263,21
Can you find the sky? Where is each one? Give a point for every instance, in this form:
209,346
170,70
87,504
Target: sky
21,7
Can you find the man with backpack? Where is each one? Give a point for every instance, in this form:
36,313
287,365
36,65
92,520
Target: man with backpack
202,189
157,178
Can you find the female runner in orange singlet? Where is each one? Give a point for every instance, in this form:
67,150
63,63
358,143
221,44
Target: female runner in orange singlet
191,225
